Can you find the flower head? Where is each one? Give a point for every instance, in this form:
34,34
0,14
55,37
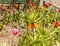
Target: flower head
50,4
59,10
30,10
45,4
16,5
56,24
32,4
32,25
14,31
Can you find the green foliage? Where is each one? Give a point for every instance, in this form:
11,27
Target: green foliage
45,35
1,26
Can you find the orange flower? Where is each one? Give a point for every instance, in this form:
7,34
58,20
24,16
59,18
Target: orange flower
29,26
35,25
32,25
16,5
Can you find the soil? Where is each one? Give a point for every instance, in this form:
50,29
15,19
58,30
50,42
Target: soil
7,37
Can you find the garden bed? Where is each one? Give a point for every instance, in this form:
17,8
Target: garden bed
35,26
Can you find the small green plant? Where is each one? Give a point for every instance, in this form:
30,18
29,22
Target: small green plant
1,26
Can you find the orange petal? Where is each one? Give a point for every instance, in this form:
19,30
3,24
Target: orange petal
29,26
16,5
35,25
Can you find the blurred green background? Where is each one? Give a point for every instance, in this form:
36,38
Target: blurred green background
9,1
17,1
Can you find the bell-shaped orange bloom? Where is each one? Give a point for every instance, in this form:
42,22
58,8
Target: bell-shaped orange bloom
16,5
32,25
35,25
29,26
